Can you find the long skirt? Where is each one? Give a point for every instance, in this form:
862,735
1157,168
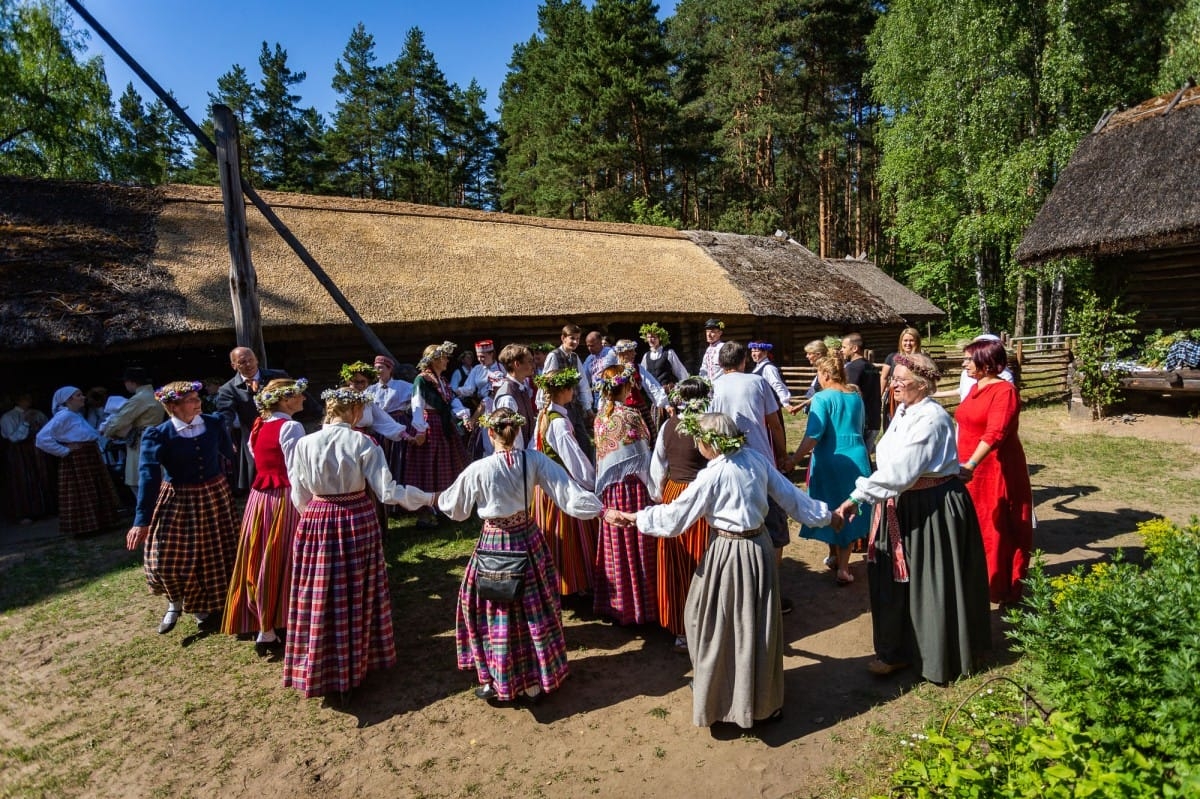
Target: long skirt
192,544
572,543
434,465
734,632
519,645
28,483
87,501
262,574
626,572
938,621
339,619
677,561
395,452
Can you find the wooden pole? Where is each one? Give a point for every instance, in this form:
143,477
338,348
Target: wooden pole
243,281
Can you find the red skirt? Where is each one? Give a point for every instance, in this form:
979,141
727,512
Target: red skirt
677,561
192,546
626,561
262,573
87,500
572,543
434,465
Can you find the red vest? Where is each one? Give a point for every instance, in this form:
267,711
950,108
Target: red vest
270,468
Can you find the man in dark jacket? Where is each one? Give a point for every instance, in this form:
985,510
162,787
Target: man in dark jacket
862,373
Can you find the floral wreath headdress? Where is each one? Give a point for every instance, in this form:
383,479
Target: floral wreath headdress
932,375
268,398
655,329
363,368
493,421
693,406
173,392
610,385
346,396
563,378
625,345
689,423
443,350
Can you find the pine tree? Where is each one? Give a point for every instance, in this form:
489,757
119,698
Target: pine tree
356,140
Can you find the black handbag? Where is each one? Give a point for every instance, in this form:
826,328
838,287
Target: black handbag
500,575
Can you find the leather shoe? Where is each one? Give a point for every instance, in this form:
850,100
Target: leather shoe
168,622
486,692
271,649
210,623
882,668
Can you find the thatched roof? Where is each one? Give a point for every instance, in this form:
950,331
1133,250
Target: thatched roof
908,304
154,262
1131,186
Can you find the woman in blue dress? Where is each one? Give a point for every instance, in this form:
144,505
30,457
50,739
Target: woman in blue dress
834,436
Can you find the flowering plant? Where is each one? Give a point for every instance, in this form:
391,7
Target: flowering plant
269,398
173,392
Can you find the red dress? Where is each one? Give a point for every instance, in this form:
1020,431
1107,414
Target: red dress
1000,485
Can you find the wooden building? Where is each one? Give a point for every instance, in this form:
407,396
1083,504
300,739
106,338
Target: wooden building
96,276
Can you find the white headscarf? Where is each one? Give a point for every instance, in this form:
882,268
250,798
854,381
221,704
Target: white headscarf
60,398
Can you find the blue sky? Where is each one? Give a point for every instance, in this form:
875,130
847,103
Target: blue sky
187,46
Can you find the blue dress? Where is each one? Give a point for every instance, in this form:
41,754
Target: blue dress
835,420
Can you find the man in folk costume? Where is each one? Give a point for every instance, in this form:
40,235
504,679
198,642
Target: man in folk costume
140,411
580,409
235,403
661,362
483,377
513,391
710,365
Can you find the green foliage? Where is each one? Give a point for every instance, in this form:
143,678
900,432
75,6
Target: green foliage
1154,350
643,213
1105,334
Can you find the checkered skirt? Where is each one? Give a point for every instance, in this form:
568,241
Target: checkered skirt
87,501
339,619
262,574
520,645
434,465
626,572
192,545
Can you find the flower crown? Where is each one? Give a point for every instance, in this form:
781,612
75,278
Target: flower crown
443,350
346,396
625,345
610,385
655,329
349,370
689,423
697,405
495,421
173,392
932,375
563,378
268,398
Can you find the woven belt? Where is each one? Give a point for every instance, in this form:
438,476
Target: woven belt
929,482
743,535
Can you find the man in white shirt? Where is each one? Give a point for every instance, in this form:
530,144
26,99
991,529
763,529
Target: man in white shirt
750,401
599,358
484,375
710,365
579,410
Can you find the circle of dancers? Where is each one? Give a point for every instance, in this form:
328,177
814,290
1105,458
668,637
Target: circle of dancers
652,495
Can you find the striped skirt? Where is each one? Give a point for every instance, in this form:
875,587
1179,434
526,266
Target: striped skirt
572,543
339,618
87,500
626,561
434,465
192,544
520,645
677,561
262,573
28,484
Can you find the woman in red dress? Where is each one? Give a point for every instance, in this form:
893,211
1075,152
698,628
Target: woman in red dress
993,463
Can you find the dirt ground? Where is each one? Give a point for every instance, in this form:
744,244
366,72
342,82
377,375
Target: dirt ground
102,706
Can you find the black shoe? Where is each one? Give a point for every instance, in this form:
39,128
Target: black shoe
210,623
531,700
786,606
271,649
168,622
486,693
774,718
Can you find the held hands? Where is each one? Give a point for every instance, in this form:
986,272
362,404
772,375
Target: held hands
619,518
847,510
837,521
136,537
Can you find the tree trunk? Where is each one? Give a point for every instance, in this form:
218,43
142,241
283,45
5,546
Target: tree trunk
1041,306
1019,310
1056,304
984,320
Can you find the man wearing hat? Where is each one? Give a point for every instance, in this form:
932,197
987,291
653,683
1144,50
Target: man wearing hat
484,375
139,412
710,366
764,367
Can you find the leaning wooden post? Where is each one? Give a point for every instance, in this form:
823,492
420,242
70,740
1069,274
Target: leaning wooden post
243,282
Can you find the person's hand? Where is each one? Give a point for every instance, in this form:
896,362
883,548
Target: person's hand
620,518
965,472
468,425
785,464
847,510
837,521
136,536
671,410
799,406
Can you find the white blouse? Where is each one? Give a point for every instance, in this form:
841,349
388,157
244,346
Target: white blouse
677,368
770,372
65,427
13,426
654,389
919,442
339,460
731,494
376,420
561,438
494,484
395,396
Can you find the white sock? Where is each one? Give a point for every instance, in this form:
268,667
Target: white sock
267,637
174,607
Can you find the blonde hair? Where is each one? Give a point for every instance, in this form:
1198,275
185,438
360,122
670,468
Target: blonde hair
909,331
832,367
818,347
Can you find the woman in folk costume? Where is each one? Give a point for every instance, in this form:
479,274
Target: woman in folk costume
732,617
674,466
660,361
513,392
339,623
572,540
626,562
87,501
393,398
258,592
646,395
435,462
184,513
28,486
516,647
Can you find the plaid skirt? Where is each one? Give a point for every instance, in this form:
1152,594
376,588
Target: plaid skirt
520,645
572,543
395,452
339,618
87,500
436,464
677,561
626,573
192,545
28,480
262,573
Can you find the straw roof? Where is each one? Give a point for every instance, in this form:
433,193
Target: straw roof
908,304
154,262
1129,187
